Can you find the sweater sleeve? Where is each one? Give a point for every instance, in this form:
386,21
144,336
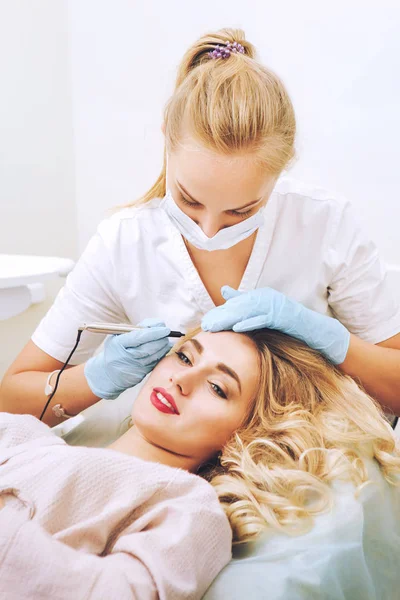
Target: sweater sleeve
18,429
363,294
33,565
173,550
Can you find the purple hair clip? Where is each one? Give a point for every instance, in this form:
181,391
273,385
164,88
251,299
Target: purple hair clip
227,50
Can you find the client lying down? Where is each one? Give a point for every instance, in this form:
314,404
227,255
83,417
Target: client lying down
232,435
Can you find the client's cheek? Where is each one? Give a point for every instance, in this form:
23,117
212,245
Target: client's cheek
161,373
217,435
228,430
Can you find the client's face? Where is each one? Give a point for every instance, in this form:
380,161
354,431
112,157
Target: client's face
196,398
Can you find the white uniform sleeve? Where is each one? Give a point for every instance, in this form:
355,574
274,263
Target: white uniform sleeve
362,295
89,295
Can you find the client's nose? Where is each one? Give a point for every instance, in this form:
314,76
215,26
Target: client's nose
183,381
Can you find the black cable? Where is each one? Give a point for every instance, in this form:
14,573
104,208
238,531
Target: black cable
59,375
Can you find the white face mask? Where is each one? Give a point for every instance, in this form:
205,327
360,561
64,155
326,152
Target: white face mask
224,239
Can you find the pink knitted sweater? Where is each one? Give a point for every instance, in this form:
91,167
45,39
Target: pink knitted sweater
88,523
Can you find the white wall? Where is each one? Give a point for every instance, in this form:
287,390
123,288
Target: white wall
340,61
37,194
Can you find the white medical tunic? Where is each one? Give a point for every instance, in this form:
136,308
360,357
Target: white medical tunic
310,247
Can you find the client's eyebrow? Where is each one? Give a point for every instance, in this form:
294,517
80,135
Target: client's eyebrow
180,186
220,366
225,369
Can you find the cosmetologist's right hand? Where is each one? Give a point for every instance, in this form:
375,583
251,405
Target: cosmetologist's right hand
127,358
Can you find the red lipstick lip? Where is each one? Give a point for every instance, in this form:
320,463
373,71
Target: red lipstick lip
167,397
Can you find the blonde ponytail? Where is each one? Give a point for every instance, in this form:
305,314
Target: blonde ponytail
198,52
229,106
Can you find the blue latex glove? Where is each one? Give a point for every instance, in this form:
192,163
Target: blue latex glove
127,359
265,307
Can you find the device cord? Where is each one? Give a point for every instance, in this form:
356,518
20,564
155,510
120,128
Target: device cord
59,375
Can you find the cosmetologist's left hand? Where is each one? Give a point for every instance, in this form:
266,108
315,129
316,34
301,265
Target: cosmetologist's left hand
268,308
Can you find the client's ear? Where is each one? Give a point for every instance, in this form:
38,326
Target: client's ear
163,127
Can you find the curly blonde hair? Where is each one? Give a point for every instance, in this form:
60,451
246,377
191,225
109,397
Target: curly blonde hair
229,106
309,425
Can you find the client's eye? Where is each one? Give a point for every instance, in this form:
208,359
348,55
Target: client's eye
183,358
217,390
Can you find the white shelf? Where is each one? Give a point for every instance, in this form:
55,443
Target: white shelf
21,280
16,269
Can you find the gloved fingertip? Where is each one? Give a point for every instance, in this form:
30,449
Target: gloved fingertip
151,322
160,333
228,292
145,335
206,322
225,288
164,328
213,328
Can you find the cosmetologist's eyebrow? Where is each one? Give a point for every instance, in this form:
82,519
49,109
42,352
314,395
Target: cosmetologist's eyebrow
220,366
180,186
